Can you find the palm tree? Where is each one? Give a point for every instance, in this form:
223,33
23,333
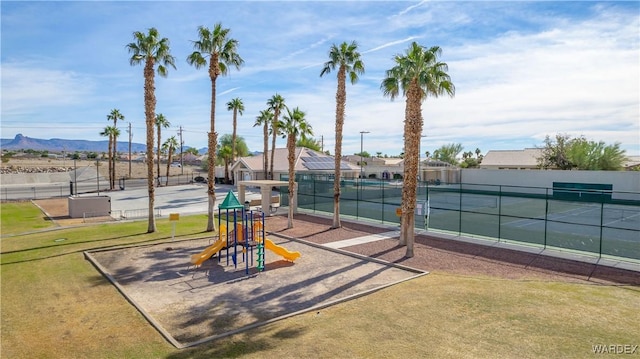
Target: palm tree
276,104
225,153
346,59
294,124
109,132
418,73
264,119
149,49
114,154
169,146
161,122
114,116
222,52
238,108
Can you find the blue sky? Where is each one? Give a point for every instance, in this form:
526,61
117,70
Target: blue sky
522,70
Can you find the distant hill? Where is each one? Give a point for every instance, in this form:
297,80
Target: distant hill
21,142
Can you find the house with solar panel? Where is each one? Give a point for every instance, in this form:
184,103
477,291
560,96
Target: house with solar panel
307,162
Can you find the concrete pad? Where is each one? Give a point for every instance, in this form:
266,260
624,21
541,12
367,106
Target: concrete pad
362,240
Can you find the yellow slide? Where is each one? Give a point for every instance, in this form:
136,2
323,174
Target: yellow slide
198,259
281,251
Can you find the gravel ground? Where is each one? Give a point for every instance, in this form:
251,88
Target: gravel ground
436,254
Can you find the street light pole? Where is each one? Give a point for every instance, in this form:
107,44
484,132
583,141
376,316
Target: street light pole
361,149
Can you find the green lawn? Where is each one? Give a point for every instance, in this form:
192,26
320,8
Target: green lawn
14,216
55,304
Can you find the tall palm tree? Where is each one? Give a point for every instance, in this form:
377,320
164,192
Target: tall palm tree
418,73
225,153
294,124
114,155
109,132
161,122
114,116
237,107
222,53
346,59
265,118
275,104
150,50
169,146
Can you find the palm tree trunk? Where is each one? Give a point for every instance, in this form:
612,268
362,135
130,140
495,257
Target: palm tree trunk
149,112
341,99
233,139
158,165
169,164
226,170
274,127
266,149
113,161
291,146
109,158
210,182
213,139
413,131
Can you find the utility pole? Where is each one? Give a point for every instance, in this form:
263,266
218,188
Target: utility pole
181,153
130,137
322,142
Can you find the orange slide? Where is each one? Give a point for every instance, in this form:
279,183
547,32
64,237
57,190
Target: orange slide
198,259
281,251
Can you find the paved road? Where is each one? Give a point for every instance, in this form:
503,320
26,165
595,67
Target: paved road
183,199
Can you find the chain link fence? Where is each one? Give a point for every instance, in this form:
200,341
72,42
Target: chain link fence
597,221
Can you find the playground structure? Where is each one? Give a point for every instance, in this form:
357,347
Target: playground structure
242,228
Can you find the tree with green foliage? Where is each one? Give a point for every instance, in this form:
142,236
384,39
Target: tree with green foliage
110,132
276,105
237,107
468,161
114,116
222,52
169,147
346,59
226,154
192,150
161,122
566,153
264,119
418,73
310,143
294,124
448,153
150,50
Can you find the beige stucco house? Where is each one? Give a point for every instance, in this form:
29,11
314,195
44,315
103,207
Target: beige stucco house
306,161
526,159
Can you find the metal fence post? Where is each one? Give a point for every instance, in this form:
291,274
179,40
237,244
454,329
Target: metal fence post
601,225
460,209
499,213
546,215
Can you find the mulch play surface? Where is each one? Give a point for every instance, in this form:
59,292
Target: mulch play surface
190,306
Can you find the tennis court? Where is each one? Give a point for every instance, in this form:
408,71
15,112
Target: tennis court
598,223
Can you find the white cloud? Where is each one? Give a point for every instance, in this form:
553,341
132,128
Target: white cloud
28,88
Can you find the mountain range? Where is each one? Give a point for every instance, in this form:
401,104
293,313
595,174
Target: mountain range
21,142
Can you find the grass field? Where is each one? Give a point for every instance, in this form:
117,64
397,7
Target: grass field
56,305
